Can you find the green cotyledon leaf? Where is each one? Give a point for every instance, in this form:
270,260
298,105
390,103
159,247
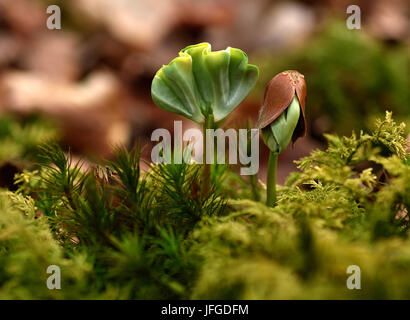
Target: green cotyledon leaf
173,88
278,134
200,82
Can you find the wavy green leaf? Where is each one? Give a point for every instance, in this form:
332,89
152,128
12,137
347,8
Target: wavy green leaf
200,82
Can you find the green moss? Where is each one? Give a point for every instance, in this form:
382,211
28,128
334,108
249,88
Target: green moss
121,233
28,248
19,139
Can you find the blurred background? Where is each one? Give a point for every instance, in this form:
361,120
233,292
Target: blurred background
88,84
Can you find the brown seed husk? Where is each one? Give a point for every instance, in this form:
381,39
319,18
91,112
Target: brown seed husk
279,93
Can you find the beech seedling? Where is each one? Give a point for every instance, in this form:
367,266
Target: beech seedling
281,119
204,86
